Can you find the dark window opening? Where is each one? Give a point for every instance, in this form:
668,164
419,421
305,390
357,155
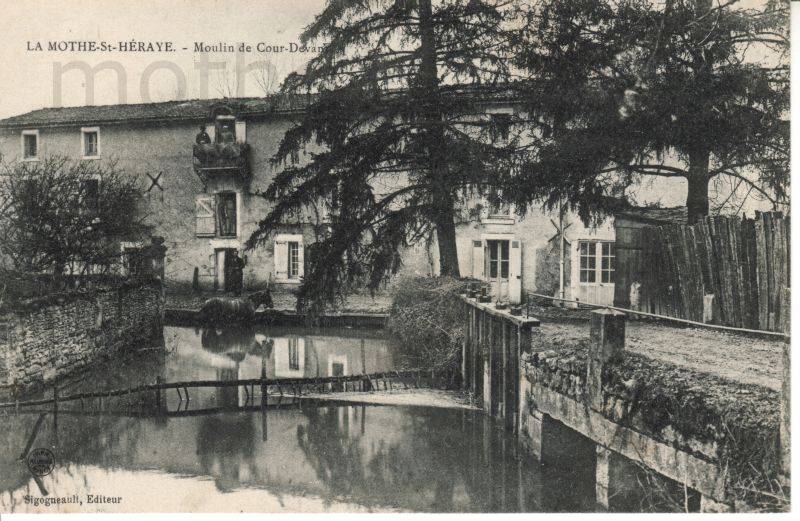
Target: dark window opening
294,355
225,130
30,146
90,144
226,214
134,261
500,126
91,194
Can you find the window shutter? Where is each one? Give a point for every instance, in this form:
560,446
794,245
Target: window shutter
515,273
477,260
241,132
300,259
281,259
205,225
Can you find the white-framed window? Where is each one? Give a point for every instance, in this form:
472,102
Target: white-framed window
597,262
497,259
30,145
294,259
607,262
288,258
90,142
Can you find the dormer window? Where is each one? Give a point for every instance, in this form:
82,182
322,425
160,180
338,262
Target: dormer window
30,145
225,129
499,210
90,143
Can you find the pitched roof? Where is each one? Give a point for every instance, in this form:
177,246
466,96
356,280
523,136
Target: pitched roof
649,214
183,110
200,109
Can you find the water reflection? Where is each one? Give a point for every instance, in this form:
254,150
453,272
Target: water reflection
308,456
288,352
379,457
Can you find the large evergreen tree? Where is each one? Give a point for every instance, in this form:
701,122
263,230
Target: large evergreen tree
621,90
396,94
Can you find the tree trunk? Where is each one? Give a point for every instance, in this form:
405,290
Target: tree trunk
697,194
442,200
446,238
57,282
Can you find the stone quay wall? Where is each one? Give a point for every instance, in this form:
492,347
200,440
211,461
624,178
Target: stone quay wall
45,339
718,436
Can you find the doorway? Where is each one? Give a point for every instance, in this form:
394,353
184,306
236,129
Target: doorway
222,269
498,265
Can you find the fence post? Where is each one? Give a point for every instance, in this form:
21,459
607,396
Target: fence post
465,351
607,343
786,390
708,309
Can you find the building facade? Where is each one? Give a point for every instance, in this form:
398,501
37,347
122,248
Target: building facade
201,164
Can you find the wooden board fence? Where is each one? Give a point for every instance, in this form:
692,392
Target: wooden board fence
743,263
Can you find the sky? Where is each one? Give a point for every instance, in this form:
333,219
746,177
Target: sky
35,78
29,77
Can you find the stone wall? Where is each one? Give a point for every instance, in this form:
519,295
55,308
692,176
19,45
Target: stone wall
165,150
725,423
563,371
44,339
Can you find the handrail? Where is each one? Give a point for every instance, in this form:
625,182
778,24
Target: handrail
666,317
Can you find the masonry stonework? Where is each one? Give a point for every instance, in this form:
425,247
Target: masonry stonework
160,154
57,335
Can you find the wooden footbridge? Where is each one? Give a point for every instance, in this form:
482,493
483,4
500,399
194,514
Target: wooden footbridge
267,391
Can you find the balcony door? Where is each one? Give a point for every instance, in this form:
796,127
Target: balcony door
225,129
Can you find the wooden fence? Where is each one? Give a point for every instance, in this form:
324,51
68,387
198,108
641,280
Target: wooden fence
743,263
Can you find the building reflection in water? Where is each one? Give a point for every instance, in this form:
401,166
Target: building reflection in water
225,449
285,353
414,458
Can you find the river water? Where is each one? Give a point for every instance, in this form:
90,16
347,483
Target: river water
219,453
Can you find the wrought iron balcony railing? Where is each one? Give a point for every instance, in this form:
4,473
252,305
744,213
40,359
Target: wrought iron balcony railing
212,159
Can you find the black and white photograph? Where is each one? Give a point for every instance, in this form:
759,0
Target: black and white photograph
395,256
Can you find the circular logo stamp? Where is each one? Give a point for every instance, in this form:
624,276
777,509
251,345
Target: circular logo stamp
41,461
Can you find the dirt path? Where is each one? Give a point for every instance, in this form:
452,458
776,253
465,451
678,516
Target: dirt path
736,357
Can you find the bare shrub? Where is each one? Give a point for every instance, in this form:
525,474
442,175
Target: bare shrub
427,320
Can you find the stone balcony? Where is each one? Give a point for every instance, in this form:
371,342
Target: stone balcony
228,159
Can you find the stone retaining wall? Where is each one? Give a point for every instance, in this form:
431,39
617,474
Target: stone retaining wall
48,338
563,371
716,420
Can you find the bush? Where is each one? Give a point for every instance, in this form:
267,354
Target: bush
427,321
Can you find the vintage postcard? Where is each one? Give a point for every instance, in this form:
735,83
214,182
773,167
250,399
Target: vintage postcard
428,256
